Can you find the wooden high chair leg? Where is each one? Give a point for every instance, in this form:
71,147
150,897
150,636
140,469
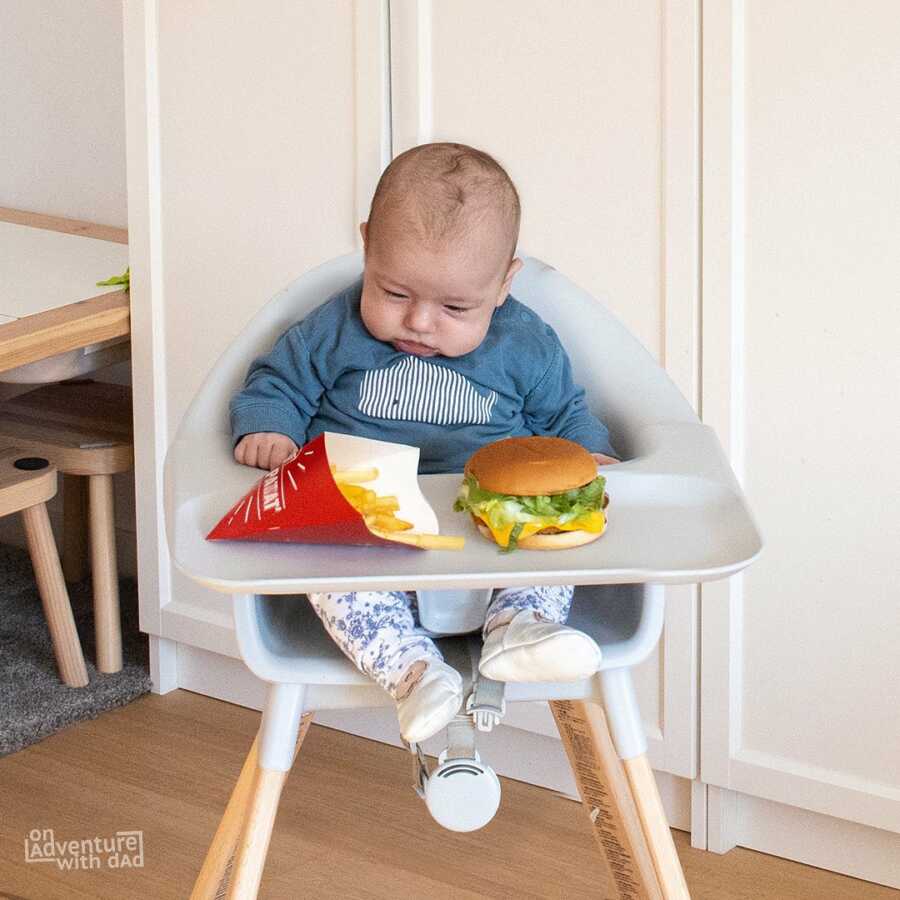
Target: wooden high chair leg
216,871
623,805
54,596
655,826
107,625
75,528
250,857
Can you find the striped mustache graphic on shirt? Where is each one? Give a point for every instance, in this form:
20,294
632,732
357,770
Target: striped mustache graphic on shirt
418,391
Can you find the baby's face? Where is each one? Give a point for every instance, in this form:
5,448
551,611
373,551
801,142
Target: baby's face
434,302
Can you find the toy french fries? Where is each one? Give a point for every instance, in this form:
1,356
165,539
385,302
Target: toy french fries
326,494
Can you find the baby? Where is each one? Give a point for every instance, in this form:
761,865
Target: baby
429,349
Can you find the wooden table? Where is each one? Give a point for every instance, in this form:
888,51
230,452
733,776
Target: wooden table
49,302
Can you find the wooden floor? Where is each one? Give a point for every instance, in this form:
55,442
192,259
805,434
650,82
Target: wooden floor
349,825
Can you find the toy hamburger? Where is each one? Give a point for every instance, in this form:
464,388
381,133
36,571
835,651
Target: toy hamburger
537,493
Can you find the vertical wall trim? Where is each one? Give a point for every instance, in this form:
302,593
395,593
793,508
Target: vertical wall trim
412,87
679,238
142,127
387,129
372,65
720,640
426,73
680,193
738,229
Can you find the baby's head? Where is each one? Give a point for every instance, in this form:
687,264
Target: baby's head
439,249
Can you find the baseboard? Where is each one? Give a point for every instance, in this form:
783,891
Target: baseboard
826,842
513,752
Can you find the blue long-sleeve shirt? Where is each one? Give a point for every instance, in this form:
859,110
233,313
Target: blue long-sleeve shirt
327,373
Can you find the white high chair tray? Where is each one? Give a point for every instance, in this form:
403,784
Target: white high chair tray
676,516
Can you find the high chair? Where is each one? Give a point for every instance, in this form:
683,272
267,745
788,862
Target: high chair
677,515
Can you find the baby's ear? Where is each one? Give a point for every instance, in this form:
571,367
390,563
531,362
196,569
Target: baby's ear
514,267
362,231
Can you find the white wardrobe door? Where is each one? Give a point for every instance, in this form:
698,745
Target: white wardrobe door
800,669
592,108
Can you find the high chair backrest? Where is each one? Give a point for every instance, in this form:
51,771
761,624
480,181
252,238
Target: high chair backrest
625,386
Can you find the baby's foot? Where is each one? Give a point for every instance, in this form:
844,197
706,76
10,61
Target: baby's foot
431,703
528,649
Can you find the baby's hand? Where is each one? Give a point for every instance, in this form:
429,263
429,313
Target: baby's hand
603,460
264,449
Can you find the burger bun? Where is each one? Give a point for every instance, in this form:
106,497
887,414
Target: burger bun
532,466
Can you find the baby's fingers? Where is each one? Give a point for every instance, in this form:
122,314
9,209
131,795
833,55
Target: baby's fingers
282,451
245,452
268,451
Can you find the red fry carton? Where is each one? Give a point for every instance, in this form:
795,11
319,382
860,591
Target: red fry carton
300,501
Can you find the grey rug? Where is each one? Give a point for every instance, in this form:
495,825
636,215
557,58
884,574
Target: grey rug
34,703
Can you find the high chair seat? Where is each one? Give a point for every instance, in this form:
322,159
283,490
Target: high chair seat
677,515
283,640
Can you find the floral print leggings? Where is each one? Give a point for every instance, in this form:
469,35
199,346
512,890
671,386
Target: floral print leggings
379,631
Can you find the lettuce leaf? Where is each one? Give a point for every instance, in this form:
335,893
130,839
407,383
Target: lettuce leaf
502,511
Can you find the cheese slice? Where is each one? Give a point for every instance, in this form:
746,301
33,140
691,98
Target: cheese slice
595,522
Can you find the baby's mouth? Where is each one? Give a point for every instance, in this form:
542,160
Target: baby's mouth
414,348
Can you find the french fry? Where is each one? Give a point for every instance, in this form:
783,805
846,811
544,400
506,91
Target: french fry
353,476
426,541
391,523
378,512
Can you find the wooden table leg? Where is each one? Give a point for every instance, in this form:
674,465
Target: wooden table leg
630,830
213,881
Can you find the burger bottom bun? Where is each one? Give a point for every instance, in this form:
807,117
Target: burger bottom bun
560,541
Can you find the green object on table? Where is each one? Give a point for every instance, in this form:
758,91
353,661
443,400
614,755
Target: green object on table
124,279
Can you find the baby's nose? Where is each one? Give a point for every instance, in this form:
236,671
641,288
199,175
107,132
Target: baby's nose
419,317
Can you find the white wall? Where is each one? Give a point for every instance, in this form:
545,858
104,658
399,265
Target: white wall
62,109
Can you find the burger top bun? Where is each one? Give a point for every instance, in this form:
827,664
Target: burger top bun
530,466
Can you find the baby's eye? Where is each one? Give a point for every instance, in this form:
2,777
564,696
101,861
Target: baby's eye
456,309
395,294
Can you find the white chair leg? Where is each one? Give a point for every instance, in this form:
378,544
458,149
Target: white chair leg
279,737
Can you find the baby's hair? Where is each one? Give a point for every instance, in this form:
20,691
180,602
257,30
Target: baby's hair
442,190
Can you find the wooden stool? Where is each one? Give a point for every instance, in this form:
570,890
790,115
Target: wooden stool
26,484
85,429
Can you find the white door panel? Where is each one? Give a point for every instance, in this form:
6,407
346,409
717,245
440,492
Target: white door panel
800,669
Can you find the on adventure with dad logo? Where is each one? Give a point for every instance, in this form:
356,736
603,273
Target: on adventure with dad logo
124,850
